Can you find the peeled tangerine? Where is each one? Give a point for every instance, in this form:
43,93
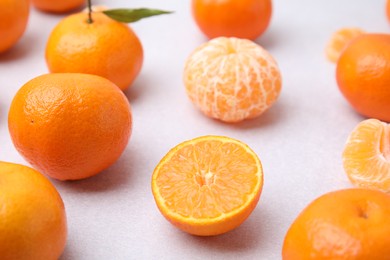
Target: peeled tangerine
208,185
367,155
232,79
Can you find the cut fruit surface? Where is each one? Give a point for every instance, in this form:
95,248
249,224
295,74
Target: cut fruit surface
208,185
367,155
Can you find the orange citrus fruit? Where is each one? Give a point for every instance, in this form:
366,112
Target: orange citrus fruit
70,126
208,185
104,47
231,18
32,215
366,155
388,9
339,41
57,6
232,79
344,224
13,21
363,75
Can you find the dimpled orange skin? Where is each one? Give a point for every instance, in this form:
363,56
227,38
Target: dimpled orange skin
32,216
13,21
105,48
344,224
231,18
57,6
70,126
363,75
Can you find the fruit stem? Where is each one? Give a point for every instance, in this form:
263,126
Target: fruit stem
89,12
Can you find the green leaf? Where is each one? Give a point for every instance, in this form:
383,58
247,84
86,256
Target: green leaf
133,15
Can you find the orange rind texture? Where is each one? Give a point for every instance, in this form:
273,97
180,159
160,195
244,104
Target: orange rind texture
33,221
343,224
70,126
363,75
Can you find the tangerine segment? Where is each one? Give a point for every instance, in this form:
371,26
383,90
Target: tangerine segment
366,155
232,79
208,185
339,41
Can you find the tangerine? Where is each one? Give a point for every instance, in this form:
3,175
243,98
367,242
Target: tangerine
13,21
70,126
57,6
32,215
230,18
363,75
344,224
232,79
208,185
104,47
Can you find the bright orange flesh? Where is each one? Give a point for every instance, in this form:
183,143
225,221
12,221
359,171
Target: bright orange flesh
231,18
14,16
106,48
363,75
208,185
232,79
339,41
32,215
57,6
366,155
345,224
70,126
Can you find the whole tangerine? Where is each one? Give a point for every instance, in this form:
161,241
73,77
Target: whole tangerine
231,18
104,47
70,126
13,21
344,224
57,6
363,75
32,216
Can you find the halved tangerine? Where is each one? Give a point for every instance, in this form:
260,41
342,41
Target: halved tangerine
208,185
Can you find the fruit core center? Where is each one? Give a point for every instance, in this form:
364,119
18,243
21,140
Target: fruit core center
385,143
204,178
363,214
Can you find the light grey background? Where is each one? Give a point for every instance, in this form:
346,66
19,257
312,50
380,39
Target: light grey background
299,140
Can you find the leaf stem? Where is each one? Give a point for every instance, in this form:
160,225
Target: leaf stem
89,12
